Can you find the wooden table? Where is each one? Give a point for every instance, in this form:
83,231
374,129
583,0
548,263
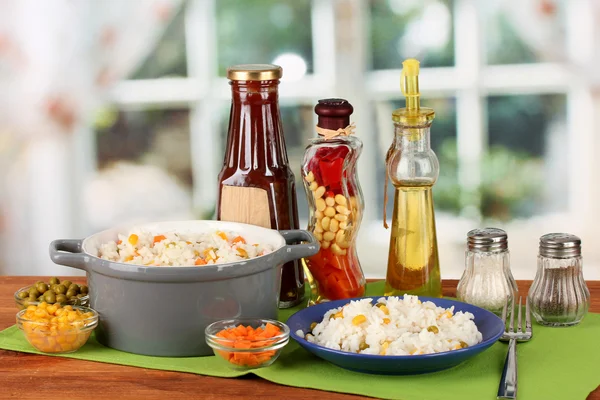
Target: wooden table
25,375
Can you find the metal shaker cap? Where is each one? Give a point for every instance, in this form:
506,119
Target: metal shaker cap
560,245
487,240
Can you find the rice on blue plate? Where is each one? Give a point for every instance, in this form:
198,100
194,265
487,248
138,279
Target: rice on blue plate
394,326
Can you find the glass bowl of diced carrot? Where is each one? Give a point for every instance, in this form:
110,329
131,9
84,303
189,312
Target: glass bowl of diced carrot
53,328
247,343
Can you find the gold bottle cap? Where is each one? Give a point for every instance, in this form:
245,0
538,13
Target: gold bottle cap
413,114
254,72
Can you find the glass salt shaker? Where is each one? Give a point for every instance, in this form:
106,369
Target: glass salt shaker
487,281
559,295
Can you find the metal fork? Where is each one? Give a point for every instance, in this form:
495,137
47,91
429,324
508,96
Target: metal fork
508,382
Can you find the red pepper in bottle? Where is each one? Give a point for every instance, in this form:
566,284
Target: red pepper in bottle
336,204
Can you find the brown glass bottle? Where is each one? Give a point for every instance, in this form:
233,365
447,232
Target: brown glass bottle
256,184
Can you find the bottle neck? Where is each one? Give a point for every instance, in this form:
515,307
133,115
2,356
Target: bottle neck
255,140
412,139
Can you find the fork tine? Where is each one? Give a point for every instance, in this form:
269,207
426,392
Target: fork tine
527,316
512,317
504,311
519,317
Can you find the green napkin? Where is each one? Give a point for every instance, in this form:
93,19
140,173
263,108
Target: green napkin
559,363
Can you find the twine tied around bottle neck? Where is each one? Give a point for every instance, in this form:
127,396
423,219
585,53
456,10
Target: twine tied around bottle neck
330,133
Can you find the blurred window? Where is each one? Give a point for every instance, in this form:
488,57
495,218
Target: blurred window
497,73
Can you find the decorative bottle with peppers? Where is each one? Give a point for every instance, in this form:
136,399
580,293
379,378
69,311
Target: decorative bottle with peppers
413,262
336,204
256,184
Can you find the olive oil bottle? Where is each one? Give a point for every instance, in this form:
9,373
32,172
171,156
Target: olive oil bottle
413,261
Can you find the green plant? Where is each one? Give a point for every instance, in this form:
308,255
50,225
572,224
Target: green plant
511,183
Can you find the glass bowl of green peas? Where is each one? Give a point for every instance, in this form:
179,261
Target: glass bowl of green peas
52,292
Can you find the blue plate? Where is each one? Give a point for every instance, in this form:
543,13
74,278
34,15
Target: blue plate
490,326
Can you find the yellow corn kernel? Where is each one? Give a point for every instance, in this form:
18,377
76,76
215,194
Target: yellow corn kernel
133,239
51,309
385,310
386,321
222,235
384,348
359,319
242,252
339,314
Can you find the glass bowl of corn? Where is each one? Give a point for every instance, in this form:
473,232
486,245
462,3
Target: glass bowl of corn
53,328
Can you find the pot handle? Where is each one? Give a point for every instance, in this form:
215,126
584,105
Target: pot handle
296,251
68,252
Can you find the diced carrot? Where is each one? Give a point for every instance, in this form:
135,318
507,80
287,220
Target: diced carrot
246,337
128,258
159,238
239,239
133,239
200,261
119,241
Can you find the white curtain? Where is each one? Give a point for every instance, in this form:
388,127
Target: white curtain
58,59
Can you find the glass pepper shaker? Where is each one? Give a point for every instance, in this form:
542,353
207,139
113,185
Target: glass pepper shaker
559,295
487,281
336,204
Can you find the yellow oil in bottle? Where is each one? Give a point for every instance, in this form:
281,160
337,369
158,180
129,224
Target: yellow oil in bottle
413,262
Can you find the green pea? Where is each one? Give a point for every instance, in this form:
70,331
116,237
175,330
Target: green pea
32,298
60,289
74,287
54,281
23,295
50,297
61,298
84,289
67,283
71,293
33,292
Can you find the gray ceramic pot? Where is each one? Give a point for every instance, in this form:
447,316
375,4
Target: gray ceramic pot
163,311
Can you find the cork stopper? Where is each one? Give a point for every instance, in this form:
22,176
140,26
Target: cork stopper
333,114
